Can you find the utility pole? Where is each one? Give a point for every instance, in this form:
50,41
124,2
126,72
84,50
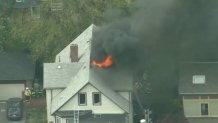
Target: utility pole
148,119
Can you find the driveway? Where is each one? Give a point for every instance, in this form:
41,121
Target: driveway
3,118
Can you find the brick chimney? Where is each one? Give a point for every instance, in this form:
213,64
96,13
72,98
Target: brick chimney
74,53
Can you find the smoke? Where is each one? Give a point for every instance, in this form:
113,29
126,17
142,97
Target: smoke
155,32
130,39
156,35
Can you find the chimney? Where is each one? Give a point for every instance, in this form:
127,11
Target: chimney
74,53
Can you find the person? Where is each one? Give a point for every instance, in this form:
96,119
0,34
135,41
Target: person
27,94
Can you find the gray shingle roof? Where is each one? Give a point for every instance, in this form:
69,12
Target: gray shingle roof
209,69
55,77
14,66
83,41
117,80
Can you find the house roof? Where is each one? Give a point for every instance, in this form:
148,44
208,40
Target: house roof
15,66
59,75
113,78
202,120
76,77
83,41
80,80
209,69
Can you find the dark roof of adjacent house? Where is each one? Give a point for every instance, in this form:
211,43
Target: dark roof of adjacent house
202,120
14,66
209,69
25,4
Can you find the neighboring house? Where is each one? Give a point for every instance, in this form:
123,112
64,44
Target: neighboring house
198,88
78,91
24,4
30,6
17,70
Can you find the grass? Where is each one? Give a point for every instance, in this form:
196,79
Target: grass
36,115
36,111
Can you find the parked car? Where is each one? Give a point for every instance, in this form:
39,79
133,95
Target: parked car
15,108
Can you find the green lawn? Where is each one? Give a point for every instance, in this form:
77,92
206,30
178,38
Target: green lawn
36,115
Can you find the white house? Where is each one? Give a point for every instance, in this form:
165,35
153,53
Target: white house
76,91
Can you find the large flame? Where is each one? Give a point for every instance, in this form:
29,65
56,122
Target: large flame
106,63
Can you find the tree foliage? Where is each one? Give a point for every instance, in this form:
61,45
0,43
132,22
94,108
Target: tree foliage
45,36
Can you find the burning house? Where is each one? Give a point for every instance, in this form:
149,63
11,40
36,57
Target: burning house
85,89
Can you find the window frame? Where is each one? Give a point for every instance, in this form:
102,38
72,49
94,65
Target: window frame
203,111
195,77
85,99
93,99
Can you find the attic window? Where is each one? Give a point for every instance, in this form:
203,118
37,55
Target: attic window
198,79
96,98
82,98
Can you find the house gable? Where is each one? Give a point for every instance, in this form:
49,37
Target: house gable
107,106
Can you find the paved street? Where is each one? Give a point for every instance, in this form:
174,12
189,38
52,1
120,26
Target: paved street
3,118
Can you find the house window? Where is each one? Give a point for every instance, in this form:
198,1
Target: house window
82,98
198,79
204,109
96,97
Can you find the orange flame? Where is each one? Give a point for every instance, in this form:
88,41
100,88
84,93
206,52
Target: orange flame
106,63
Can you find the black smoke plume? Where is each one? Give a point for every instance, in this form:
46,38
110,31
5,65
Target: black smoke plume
156,35
131,39
152,31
